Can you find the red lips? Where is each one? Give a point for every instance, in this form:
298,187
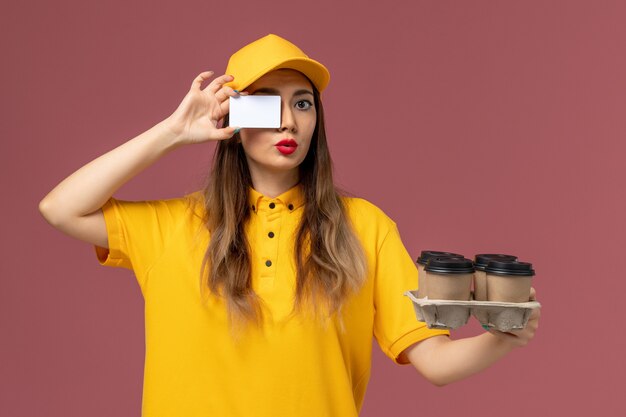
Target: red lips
287,146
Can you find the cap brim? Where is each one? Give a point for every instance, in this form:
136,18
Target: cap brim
313,70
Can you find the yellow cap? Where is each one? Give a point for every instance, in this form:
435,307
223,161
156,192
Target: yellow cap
271,53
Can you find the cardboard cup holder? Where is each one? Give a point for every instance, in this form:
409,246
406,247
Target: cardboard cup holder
452,314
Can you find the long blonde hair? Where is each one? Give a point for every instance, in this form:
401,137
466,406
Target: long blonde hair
330,262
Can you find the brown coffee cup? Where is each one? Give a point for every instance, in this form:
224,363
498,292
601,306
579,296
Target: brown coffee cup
509,281
449,278
480,276
422,287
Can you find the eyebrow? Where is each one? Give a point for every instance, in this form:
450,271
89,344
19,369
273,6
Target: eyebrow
273,91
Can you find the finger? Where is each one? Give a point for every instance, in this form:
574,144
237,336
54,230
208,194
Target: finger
226,133
530,328
218,82
533,294
535,314
225,107
197,82
225,92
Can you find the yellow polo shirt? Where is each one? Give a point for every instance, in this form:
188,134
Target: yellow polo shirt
297,367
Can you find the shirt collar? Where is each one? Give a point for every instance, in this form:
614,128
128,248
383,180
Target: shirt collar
291,199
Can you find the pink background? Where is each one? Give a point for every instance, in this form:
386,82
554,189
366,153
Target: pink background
479,126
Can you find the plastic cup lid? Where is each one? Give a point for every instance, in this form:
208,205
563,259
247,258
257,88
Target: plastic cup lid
522,269
428,254
449,265
481,260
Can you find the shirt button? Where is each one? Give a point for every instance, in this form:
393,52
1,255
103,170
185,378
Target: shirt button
290,206
271,234
272,205
268,263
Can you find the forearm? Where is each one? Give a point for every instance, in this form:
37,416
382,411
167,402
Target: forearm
87,189
444,361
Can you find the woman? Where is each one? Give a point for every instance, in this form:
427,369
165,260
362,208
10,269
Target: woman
262,291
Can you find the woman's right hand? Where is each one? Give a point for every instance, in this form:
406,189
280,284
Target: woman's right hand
75,205
197,118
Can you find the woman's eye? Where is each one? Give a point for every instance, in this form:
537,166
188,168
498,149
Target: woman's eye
303,105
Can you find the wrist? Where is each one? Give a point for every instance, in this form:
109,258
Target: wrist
502,342
169,134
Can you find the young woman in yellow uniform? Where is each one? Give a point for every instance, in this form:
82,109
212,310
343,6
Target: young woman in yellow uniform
263,290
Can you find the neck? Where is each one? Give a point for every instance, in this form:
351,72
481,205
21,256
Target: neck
272,184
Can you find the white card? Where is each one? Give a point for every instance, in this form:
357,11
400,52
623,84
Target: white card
254,111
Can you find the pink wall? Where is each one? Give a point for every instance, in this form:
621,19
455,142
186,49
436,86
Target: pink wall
478,126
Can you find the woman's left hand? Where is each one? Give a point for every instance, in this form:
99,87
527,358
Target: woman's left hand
519,338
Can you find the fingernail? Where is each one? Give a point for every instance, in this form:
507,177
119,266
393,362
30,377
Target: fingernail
236,131
485,327
236,91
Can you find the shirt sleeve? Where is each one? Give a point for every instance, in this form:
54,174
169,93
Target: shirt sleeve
137,232
395,325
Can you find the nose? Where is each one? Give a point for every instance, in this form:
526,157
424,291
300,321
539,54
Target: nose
287,119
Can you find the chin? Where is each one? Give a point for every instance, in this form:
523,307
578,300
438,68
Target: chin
285,165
